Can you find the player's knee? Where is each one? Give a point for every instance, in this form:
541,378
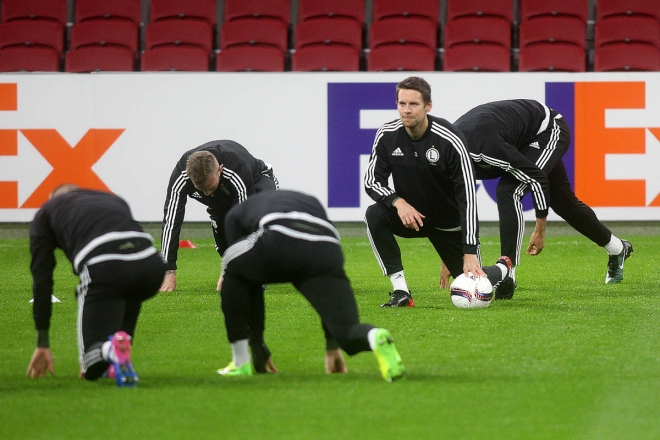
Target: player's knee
376,215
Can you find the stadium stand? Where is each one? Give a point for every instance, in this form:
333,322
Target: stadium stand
299,26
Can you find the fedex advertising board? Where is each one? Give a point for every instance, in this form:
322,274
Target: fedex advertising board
123,132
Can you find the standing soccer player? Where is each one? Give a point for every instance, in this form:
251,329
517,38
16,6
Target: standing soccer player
285,236
433,196
218,174
522,141
119,268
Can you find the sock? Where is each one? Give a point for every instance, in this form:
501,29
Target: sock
503,269
399,281
371,336
513,273
615,246
106,353
240,352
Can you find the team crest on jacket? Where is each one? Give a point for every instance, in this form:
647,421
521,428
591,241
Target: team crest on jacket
432,155
224,189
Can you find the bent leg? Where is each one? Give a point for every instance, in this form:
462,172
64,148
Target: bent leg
332,298
577,214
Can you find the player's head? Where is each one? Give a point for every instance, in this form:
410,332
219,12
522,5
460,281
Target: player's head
413,102
204,171
418,84
63,189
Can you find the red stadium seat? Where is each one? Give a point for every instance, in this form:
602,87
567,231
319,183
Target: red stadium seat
53,10
120,10
176,32
32,33
480,8
329,32
627,8
175,58
478,30
99,59
403,31
253,32
202,10
627,57
552,57
477,58
326,58
401,57
422,9
108,33
622,29
553,30
29,59
315,9
533,9
250,59
270,10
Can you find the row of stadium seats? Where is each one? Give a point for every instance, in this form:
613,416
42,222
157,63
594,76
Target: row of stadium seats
479,35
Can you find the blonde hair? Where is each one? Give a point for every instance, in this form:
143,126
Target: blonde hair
200,166
63,189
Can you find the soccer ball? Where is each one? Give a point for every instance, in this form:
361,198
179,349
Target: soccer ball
471,292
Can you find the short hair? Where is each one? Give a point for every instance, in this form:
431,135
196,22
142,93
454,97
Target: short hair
63,189
415,83
200,166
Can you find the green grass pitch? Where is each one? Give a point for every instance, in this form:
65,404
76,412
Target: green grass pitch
568,358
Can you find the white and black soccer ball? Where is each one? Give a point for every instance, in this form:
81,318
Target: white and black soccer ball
470,292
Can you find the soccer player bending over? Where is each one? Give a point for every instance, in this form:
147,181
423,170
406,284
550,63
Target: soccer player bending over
522,141
218,174
118,266
285,236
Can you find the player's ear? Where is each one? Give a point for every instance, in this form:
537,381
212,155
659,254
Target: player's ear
429,106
